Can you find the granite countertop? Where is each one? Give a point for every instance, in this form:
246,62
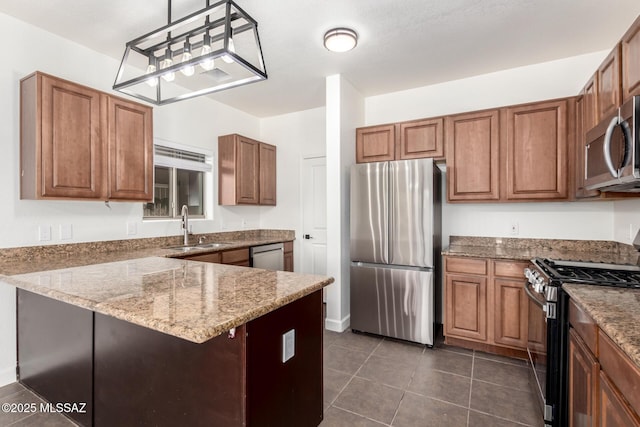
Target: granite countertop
615,310
526,249
42,258
192,300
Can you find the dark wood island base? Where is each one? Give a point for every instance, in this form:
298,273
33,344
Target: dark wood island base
131,375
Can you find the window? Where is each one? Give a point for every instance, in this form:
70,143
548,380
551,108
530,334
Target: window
180,178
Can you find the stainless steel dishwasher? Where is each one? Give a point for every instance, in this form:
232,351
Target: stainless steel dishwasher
269,257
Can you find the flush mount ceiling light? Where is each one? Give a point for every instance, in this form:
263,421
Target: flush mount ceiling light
340,39
212,49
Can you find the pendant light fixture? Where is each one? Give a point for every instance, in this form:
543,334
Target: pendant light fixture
212,49
340,39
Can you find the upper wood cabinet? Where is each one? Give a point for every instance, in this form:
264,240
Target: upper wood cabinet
79,143
609,89
536,151
246,171
420,139
586,118
375,143
473,142
267,174
630,46
415,139
130,150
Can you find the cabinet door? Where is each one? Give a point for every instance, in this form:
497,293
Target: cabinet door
583,377
375,143
420,139
586,116
510,313
536,149
631,61
609,84
247,171
130,150
473,156
466,306
613,410
267,174
73,147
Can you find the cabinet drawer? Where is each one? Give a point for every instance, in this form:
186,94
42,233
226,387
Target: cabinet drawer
467,265
585,326
212,257
512,269
237,256
622,371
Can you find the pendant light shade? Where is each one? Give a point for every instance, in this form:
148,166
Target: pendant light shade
209,50
340,39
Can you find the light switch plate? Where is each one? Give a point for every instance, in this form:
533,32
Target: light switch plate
44,233
288,345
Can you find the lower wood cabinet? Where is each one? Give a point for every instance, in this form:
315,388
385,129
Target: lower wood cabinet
485,304
234,257
288,256
614,411
603,383
466,308
583,377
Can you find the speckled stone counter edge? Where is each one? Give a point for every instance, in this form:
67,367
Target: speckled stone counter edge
524,249
621,329
26,253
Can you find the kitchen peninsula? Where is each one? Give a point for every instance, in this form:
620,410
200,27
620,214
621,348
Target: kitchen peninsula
156,340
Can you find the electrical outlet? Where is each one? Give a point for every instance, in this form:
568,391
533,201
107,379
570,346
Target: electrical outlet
288,345
515,229
44,233
132,229
66,231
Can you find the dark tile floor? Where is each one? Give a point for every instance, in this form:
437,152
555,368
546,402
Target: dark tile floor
371,381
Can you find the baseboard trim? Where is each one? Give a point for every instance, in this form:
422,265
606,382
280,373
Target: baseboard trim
7,376
337,325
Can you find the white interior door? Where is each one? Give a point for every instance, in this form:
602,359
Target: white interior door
314,216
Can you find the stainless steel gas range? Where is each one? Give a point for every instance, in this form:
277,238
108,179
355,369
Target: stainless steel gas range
548,323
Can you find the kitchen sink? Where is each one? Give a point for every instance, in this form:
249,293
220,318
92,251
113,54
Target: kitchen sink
196,247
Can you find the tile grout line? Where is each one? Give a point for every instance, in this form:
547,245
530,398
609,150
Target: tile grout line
354,374
360,415
404,390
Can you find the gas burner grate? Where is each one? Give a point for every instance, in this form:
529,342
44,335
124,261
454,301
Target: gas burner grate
609,275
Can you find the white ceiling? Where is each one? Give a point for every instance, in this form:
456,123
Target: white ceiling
403,43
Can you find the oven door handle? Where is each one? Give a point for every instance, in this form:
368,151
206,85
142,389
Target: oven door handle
533,297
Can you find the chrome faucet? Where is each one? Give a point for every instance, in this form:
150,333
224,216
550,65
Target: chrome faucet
185,223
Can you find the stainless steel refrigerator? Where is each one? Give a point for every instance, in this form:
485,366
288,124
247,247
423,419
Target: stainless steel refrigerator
395,249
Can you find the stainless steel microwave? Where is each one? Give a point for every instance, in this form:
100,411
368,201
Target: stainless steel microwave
612,153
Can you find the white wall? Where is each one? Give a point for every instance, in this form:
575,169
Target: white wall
345,112
555,79
626,220
297,135
196,122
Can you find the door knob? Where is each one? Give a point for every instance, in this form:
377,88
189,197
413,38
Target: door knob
307,236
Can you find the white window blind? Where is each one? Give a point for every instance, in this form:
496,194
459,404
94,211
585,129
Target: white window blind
172,155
